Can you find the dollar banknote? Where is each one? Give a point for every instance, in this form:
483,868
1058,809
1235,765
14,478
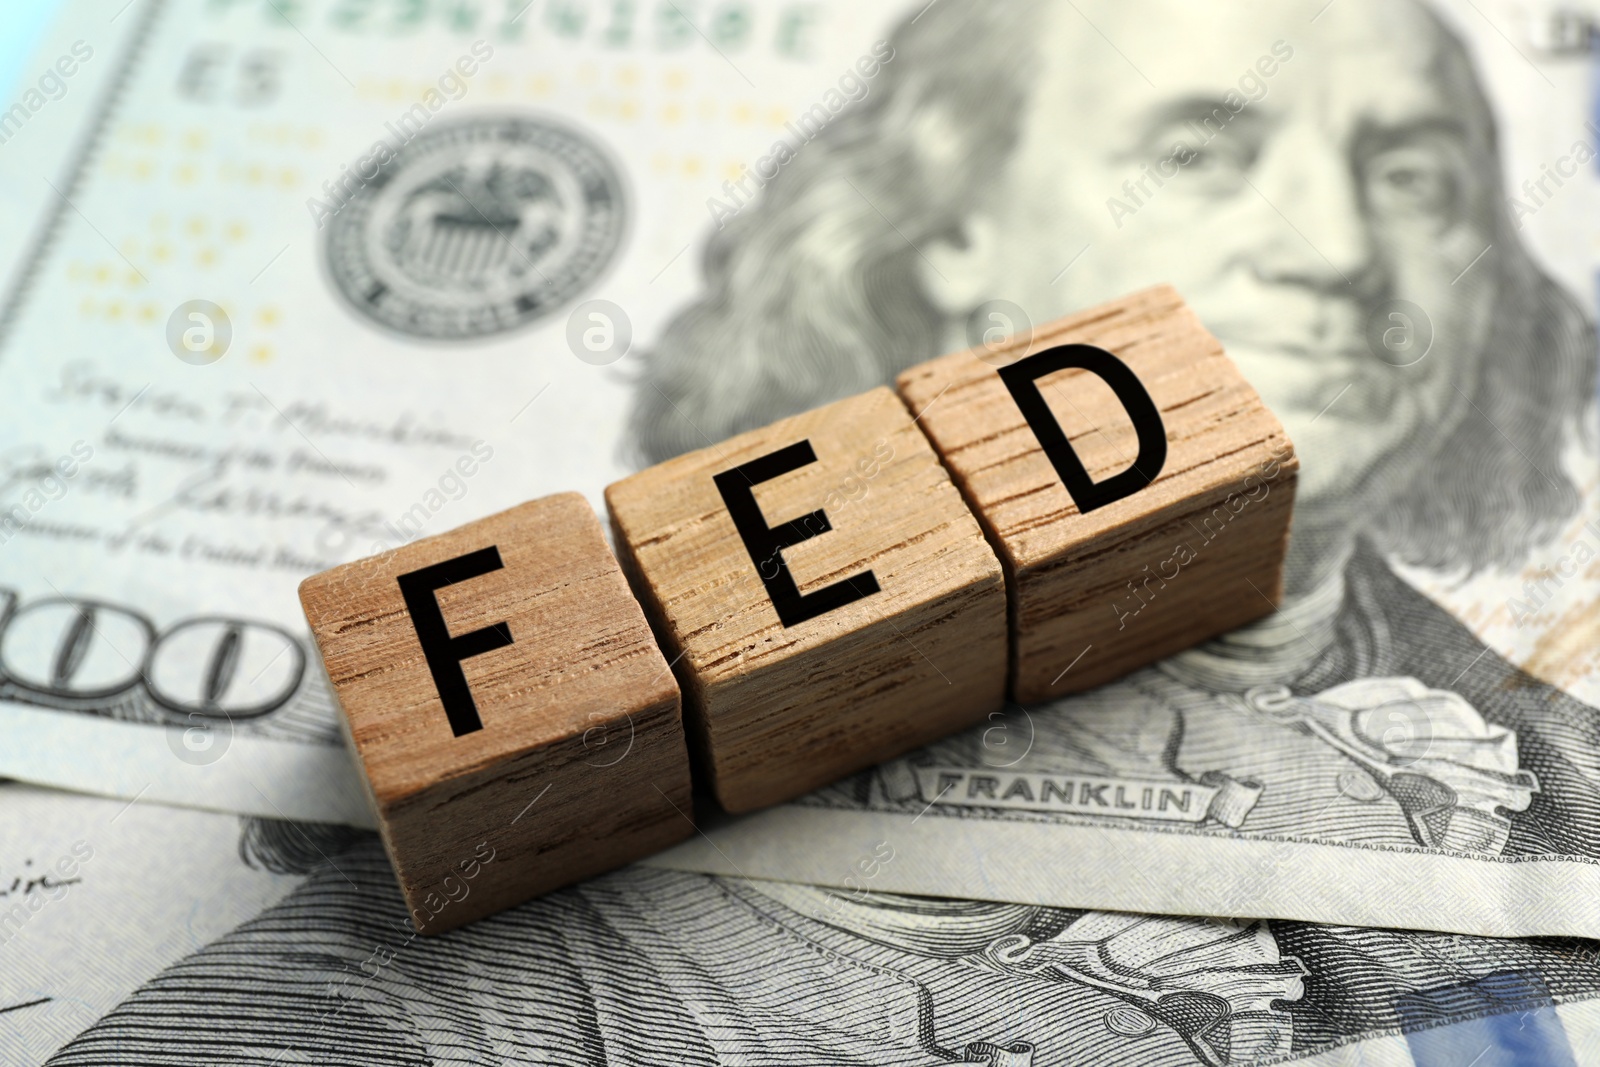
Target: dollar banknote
217,382
263,942
1368,753
329,276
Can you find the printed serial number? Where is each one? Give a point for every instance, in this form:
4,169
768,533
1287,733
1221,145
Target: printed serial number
661,25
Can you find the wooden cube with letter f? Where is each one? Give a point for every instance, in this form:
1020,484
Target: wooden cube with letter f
827,598
516,723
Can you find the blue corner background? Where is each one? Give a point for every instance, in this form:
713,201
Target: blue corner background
22,25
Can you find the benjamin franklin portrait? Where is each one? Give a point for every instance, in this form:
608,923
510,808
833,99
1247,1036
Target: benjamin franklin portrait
982,165
1330,174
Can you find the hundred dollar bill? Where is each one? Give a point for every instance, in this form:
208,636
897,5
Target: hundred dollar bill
341,274
1412,740
257,941
329,276
98,895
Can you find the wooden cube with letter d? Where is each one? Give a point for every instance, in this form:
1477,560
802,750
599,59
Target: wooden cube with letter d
516,724
828,599
1136,488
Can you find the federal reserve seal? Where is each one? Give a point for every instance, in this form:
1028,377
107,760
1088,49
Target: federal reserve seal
478,227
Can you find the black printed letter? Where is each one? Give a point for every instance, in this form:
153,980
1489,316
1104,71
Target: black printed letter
443,652
1022,379
766,543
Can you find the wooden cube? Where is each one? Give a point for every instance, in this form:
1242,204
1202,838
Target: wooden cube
827,598
1135,487
516,723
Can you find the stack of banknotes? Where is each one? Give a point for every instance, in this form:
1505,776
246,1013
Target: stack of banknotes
288,282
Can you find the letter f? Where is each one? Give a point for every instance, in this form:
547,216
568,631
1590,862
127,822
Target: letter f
443,652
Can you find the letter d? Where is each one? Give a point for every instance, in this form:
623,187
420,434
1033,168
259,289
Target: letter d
1022,378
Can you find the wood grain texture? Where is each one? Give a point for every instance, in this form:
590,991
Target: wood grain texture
775,711
1197,552
580,764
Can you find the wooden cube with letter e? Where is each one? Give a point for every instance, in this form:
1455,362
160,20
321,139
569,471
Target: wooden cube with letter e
1136,489
517,726
828,599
